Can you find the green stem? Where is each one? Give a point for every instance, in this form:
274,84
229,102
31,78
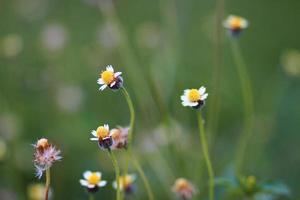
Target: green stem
206,156
47,183
132,116
248,104
117,172
144,177
129,146
91,197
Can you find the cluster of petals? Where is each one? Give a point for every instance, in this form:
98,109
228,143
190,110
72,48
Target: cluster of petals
44,156
110,139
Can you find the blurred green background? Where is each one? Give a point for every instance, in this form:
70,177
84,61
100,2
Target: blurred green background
51,54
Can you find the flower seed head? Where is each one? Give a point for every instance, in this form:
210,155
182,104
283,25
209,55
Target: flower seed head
45,156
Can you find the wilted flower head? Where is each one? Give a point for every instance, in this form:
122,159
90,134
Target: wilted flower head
119,136
126,183
92,181
110,78
44,156
183,189
103,136
235,24
194,97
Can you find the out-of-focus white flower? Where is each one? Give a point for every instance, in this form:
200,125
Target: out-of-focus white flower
12,45
102,136
235,24
31,10
3,149
183,189
37,191
111,79
44,156
69,98
126,183
290,61
148,35
54,37
108,36
92,181
9,126
194,97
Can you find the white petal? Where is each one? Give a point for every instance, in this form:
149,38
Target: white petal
202,90
100,81
102,87
204,96
106,127
94,139
112,84
87,174
83,182
133,177
185,92
98,174
110,68
117,74
94,133
90,186
102,183
184,98
114,184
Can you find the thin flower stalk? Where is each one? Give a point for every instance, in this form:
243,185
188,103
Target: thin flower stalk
129,149
117,172
248,103
206,156
144,177
48,180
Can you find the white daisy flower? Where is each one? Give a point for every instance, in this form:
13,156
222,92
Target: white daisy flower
111,79
126,183
103,136
235,24
194,98
92,181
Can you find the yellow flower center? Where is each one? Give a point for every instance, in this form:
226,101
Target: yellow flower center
102,132
125,181
194,95
107,77
236,23
181,184
94,179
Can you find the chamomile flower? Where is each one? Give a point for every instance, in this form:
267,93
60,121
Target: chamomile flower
126,183
235,24
119,136
103,136
111,79
194,97
183,189
44,156
92,181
